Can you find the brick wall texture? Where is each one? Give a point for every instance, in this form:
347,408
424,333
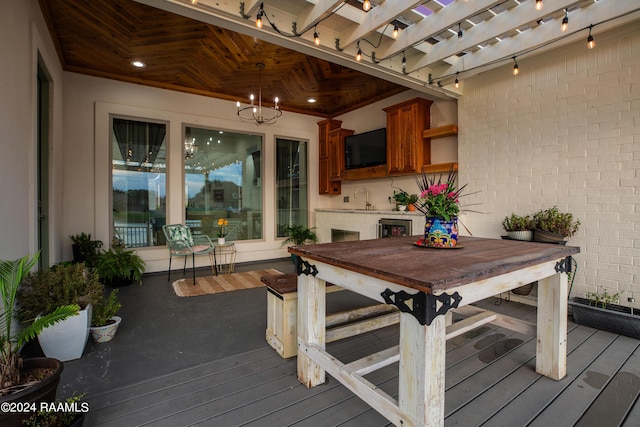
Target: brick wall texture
565,132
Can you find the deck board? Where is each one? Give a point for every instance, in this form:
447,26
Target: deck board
491,381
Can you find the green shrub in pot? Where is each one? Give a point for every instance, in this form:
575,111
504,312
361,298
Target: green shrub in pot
551,225
119,266
12,274
518,227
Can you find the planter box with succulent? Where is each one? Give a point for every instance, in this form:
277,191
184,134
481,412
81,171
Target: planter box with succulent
63,284
553,226
18,382
518,227
119,267
105,322
602,310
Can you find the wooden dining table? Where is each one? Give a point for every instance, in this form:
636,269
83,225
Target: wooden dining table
427,285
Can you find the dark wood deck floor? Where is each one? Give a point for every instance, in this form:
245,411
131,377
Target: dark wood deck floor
222,373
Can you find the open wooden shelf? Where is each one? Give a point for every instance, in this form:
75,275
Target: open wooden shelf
440,132
440,167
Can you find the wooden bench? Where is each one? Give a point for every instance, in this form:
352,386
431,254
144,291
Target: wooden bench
282,312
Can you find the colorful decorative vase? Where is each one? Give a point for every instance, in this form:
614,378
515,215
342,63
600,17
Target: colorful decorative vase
441,233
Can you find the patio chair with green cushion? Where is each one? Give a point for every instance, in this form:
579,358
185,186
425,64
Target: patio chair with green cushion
181,242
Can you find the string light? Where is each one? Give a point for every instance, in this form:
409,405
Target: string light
395,31
457,82
539,5
259,17
366,5
516,69
459,31
590,42
565,21
316,38
359,55
404,63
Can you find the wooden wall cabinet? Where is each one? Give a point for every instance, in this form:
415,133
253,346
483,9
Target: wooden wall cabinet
336,153
324,185
407,150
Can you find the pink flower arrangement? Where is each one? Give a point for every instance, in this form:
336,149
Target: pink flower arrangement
439,199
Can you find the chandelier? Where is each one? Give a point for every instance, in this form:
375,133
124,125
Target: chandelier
256,113
190,148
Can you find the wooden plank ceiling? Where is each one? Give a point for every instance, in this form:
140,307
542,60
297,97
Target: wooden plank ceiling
211,47
102,37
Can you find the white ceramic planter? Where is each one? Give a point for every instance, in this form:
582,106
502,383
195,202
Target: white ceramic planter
107,332
526,235
66,340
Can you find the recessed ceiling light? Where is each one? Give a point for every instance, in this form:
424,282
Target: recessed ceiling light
138,64
311,100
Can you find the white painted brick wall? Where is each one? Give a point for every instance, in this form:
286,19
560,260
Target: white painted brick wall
565,132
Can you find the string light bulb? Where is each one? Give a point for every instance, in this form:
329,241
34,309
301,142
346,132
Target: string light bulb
359,55
316,37
404,63
395,31
457,82
459,31
259,18
565,21
516,69
366,5
590,42
539,5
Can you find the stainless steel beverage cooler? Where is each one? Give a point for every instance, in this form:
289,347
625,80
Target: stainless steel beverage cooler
388,227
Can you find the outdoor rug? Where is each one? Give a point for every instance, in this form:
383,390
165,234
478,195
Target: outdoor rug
221,283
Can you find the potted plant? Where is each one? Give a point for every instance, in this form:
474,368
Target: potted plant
402,200
518,227
299,235
41,292
72,416
602,310
553,226
222,223
119,267
104,322
85,249
15,372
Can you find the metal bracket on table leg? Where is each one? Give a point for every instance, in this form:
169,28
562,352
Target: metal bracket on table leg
424,306
564,265
303,267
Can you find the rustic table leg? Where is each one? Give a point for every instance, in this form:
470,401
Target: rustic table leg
422,370
551,351
311,326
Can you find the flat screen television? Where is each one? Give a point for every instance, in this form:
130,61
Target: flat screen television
366,149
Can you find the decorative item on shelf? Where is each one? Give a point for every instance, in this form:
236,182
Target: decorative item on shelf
552,226
222,234
518,227
440,202
254,113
